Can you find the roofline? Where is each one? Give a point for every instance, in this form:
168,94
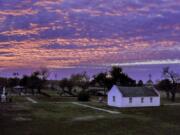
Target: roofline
154,89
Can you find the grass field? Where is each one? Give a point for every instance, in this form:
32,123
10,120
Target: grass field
49,118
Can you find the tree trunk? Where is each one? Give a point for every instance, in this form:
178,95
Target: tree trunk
25,90
68,92
167,95
39,90
173,92
32,91
173,95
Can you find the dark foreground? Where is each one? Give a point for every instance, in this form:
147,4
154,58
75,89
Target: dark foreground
50,118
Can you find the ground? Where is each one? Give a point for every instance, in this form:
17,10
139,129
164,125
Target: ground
60,116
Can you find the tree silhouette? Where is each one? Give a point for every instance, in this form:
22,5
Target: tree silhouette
174,78
165,85
120,78
140,83
117,76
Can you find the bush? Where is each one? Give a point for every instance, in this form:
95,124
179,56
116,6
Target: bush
83,96
45,94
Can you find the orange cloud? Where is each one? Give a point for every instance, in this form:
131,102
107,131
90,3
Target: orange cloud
31,52
16,32
2,19
18,12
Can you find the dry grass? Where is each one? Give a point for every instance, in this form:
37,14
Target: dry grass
49,118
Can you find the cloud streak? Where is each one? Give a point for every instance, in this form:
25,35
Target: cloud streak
151,62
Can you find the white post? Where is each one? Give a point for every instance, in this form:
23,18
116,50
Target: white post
3,96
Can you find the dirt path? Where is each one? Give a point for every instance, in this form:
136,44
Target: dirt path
31,100
172,104
96,108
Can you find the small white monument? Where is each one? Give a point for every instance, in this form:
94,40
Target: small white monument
3,96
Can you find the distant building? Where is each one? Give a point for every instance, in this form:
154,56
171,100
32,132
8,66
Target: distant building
133,96
149,83
19,89
97,90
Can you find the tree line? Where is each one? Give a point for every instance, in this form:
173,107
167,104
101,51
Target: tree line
38,80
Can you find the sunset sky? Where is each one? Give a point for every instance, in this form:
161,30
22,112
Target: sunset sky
70,36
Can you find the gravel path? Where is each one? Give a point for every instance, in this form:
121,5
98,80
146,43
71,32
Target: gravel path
172,104
31,100
96,108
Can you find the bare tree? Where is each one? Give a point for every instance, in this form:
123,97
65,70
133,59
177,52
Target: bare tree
66,86
81,80
165,85
44,73
174,78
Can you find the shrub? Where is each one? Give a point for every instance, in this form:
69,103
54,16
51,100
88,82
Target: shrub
83,96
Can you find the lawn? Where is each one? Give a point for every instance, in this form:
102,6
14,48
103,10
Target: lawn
44,99
50,118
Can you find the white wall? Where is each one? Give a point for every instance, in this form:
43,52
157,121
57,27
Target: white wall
136,102
118,97
121,101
